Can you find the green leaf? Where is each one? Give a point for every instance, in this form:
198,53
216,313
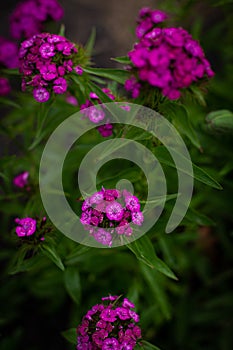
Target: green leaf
102,96
70,335
72,283
145,345
200,219
199,174
8,102
221,120
122,59
118,75
144,251
156,285
91,42
62,30
198,95
77,254
10,71
180,120
52,254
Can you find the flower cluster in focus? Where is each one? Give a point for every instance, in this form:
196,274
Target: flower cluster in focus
28,17
111,325
46,60
95,113
166,58
113,210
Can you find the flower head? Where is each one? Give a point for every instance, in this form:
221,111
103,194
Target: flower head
26,227
28,17
168,59
45,62
109,326
109,213
21,180
95,112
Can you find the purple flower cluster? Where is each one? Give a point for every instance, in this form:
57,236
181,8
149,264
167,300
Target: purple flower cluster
8,53
95,113
166,58
21,180
8,59
28,17
109,327
46,60
112,209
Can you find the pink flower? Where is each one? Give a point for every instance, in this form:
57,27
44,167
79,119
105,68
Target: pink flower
60,86
47,50
110,344
5,87
21,180
137,218
41,95
114,211
103,237
26,227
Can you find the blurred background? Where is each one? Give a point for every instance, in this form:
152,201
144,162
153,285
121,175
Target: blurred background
197,311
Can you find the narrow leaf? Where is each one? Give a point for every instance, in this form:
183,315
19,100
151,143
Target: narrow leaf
72,283
91,42
118,75
52,254
122,59
70,335
144,251
199,174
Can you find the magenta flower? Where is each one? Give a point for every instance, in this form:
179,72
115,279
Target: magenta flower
109,213
110,344
109,326
60,86
21,180
105,130
96,113
28,17
46,60
165,58
48,72
26,227
137,218
114,211
8,53
5,87
41,94
103,237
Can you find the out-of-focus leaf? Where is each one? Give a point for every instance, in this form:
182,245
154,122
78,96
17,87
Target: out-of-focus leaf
152,278
199,174
144,251
8,102
72,283
118,75
77,254
70,335
145,345
53,255
181,121
200,219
